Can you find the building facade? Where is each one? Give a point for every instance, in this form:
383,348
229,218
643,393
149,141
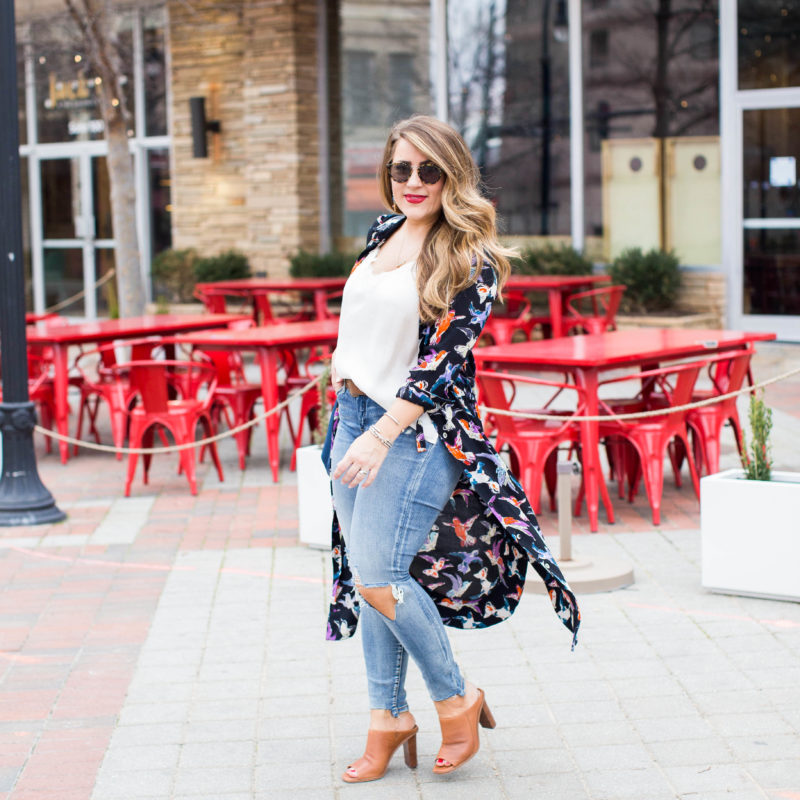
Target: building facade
687,117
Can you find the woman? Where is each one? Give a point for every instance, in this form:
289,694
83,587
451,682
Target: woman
434,529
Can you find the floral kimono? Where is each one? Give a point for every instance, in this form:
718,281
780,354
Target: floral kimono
475,559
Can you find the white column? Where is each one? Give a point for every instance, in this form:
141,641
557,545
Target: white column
323,129
730,163
439,58
576,128
34,184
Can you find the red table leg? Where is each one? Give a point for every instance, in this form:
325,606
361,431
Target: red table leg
554,301
60,388
268,361
593,480
321,304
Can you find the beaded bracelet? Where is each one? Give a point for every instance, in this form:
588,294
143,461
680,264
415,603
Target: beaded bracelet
380,437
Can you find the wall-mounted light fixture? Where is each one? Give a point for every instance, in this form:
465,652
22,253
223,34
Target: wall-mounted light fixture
201,127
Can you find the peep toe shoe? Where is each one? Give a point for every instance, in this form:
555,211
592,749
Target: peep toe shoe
460,739
381,746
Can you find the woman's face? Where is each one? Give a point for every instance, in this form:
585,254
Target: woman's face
419,202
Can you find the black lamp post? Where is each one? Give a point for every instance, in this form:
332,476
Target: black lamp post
23,498
560,35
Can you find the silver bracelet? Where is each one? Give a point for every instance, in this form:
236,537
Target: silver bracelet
393,419
380,437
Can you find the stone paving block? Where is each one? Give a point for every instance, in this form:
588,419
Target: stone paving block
314,774
294,751
628,784
741,724
725,701
485,788
612,756
211,710
659,706
213,781
717,777
133,735
572,691
152,783
564,786
763,747
776,774
161,692
666,729
141,757
218,754
519,763
716,681
237,730
591,711
153,713
692,752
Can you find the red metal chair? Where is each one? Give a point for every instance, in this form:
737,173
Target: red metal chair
151,380
509,318
593,311
727,373
533,444
650,438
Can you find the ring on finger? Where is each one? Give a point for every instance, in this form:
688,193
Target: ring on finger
363,472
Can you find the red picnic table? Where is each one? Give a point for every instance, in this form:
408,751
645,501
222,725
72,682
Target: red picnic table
558,288
61,336
213,293
586,356
268,341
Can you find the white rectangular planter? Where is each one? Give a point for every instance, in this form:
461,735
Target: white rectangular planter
751,534
315,512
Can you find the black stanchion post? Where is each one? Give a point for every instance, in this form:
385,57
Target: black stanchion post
23,498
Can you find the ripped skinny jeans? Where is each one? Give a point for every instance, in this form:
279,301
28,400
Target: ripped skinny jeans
384,526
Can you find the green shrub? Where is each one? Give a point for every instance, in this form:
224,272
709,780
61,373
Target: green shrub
173,275
325,265
652,278
227,266
550,260
756,460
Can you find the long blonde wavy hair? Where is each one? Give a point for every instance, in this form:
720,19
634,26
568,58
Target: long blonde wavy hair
465,233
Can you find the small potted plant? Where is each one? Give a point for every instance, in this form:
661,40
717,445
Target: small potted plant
315,512
749,521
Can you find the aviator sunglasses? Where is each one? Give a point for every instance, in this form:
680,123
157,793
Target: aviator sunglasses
401,171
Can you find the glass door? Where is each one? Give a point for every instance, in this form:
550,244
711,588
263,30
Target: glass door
761,88
77,242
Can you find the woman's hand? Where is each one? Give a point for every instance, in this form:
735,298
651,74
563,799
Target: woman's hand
361,462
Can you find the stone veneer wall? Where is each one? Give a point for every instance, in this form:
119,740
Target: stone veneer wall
255,61
703,292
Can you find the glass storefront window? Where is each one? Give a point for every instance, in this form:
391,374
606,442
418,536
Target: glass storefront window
61,198
160,207
509,97
771,148
385,77
769,37
66,87
646,75
772,272
155,72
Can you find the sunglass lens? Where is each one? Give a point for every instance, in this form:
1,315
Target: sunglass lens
429,173
400,171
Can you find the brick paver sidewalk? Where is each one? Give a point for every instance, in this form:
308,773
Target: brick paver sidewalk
166,646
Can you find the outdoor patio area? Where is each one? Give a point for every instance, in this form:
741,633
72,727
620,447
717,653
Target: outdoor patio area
171,646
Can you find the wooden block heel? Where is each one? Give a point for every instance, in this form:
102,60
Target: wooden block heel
410,752
487,718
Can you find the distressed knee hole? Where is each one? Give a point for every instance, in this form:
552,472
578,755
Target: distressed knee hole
382,598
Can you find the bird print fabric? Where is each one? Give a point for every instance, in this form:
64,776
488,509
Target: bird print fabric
475,559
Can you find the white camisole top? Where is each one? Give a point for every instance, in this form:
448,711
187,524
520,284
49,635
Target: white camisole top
378,343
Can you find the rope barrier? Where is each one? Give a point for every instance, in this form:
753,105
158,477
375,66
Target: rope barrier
660,412
499,411
104,448
78,295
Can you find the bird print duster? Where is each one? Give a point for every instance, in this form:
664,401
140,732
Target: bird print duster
476,556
